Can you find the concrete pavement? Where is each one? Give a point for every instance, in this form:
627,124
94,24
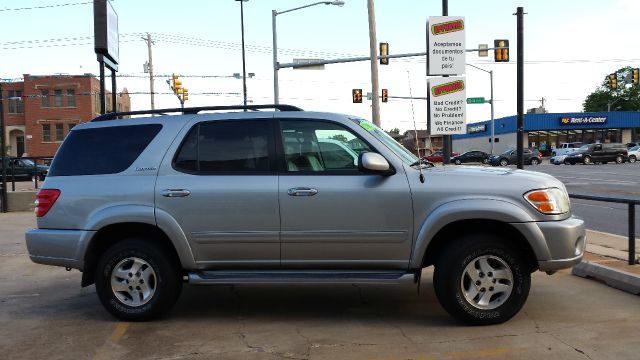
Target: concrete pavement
44,314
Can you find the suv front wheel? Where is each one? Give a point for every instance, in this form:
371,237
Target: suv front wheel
137,281
481,280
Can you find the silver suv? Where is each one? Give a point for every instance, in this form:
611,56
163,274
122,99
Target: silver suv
143,205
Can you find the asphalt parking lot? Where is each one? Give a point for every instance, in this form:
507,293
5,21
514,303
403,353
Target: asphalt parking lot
46,315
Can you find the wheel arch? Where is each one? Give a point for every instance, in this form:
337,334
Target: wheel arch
112,234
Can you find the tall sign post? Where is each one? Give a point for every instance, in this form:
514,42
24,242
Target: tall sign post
447,96
3,193
107,47
520,92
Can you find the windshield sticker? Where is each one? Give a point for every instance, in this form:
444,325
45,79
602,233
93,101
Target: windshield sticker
367,126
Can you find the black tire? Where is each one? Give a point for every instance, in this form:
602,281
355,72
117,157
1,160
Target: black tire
457,161
587,160
449,279
41,177
619,159
485,161
632,158
167,280
566,162
535,161
504,162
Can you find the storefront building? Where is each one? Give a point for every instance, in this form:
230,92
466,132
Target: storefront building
545,132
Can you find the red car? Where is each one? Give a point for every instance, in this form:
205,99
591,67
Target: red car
437,156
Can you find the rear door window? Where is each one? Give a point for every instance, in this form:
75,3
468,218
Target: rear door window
227,147
106,150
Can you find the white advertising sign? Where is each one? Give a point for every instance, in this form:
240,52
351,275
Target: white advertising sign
446,45
448,106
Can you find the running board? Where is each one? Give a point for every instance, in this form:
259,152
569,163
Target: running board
300,277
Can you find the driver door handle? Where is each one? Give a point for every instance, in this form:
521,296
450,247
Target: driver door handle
302,191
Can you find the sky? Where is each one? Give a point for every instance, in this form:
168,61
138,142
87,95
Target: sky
569,48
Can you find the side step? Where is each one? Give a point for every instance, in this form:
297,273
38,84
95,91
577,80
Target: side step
301,277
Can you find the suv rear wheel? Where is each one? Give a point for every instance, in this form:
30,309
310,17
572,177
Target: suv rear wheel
480,280
619,159
137,281
535,161
587,160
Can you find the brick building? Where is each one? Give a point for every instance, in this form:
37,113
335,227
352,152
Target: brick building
40,111
428,144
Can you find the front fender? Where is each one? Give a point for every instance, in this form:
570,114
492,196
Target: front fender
476,209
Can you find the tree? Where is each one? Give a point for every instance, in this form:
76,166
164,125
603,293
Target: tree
340,137
624,98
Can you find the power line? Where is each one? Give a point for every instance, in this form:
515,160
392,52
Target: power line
47,6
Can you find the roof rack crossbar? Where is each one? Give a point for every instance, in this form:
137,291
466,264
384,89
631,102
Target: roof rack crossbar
195,110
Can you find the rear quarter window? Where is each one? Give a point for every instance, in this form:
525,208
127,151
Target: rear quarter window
107,150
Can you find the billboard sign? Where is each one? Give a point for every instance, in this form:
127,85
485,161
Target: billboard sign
446,45
448,106
105,30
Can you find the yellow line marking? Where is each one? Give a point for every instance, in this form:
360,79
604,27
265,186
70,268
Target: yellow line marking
115,336
119,331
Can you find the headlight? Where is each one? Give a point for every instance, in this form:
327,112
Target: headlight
552,201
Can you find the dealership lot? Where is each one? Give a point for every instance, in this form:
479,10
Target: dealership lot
45,314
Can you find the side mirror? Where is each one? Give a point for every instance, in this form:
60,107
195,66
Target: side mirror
374,163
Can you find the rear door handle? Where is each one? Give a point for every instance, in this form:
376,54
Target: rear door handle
302,191
175,192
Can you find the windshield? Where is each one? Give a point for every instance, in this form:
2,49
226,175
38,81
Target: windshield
635,148
27,162
584,148
507,152
387,140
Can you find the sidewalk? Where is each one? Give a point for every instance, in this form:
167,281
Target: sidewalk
606,259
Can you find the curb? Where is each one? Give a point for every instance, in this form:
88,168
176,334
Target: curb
618,279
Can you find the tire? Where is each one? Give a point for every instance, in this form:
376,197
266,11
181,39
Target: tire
485,161
163,281
535,161
463,258
504,162
41,177
632,158
619,159
566,162
458,162
587,160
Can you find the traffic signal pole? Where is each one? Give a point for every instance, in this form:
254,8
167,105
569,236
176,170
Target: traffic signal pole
3,193
520,85
373,45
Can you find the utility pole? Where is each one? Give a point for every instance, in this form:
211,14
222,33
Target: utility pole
520,81
373,46
149,68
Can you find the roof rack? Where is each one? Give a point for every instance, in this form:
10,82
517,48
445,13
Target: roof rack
195,110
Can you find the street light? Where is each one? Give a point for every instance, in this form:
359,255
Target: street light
274,13
244,68
493,138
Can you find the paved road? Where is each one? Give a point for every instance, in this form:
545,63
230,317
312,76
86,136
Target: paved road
44,314
610,180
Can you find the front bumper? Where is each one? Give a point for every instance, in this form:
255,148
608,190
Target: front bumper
58,247
556,244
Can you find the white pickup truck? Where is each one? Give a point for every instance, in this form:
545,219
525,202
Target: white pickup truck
565,148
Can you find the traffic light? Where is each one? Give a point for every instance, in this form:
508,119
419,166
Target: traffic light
176,84
385,95
613,81
501,55
356,95
634,76
384,52
185,95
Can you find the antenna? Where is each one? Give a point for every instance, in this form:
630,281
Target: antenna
415,131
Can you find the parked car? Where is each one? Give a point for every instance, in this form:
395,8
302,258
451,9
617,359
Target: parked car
632,144
143,205
23,169
633,154
510,156
471,156
598,153
437,157
565,148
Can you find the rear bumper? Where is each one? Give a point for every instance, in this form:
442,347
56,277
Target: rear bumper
58,247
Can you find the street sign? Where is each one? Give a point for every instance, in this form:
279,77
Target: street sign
476,100
448,113
307,61
446,45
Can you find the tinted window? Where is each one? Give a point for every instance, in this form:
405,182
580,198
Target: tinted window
226,147
107,150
